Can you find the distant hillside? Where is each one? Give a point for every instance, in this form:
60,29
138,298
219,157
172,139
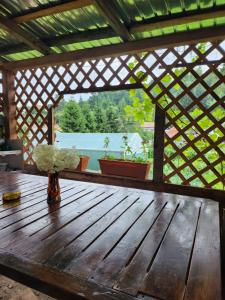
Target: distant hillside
102,112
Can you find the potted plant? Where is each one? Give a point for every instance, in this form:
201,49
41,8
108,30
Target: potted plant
50,159
83,163
133,166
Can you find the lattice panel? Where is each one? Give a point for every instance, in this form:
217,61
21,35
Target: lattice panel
194,99
171,78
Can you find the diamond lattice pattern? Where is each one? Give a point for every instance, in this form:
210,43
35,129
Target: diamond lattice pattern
190,90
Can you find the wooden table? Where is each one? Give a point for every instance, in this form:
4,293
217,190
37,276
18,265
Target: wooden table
107,242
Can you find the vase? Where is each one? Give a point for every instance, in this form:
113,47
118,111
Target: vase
53,188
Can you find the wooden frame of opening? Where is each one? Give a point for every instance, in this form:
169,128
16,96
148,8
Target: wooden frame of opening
160,120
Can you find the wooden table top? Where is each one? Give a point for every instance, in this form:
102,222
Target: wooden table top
107,242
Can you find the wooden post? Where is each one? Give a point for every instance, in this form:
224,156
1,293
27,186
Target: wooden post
9,105
222,244
160,118
51,123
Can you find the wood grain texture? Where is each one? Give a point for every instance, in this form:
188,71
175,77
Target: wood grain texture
133,47
23,36
51,10
107,242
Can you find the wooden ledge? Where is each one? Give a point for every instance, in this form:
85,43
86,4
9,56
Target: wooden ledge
216,195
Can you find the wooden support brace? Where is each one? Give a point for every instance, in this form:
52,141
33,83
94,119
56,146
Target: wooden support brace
51,123
158,144
9,105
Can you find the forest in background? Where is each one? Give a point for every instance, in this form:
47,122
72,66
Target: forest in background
101,112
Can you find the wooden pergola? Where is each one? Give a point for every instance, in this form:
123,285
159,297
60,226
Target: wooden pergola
79,46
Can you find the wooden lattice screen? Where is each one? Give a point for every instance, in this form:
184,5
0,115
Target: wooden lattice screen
191,97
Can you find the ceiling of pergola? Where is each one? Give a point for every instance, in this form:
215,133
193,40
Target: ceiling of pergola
30,29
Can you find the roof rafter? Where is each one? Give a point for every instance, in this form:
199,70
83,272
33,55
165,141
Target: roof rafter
23,36
133,47
110,14
65,39
179,19
50,10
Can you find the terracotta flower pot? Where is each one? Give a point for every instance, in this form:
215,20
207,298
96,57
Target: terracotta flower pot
83,163
120,167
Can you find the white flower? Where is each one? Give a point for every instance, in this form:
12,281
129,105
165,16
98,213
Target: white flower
51,159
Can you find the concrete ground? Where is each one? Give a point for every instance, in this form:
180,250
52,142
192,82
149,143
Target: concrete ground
11,290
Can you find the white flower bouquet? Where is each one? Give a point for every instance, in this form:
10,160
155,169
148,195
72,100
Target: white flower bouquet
53,160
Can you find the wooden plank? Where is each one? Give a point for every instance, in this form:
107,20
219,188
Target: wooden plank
116,261
51,10
96,89
204,278
23,36
172,259
110,14
62,258
159,131
25,189
4,186
98,248
216,195
179,19
26,216
133,47
42,226
9,104
28,200
52,282
130,280
70,228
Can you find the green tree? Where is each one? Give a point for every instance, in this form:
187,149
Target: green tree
90,121
101,119
89,116
112,115
71,119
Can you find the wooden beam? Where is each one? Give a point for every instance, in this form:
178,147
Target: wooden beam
50,10
103,89
51,124
110,14
9,105
160,120
179,19
23,36
195,36
65,39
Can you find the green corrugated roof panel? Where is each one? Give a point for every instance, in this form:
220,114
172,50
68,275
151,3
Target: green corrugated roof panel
67,22
22,55
14,7
6,38
90,44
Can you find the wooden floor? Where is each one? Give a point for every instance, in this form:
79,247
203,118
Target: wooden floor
106,242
